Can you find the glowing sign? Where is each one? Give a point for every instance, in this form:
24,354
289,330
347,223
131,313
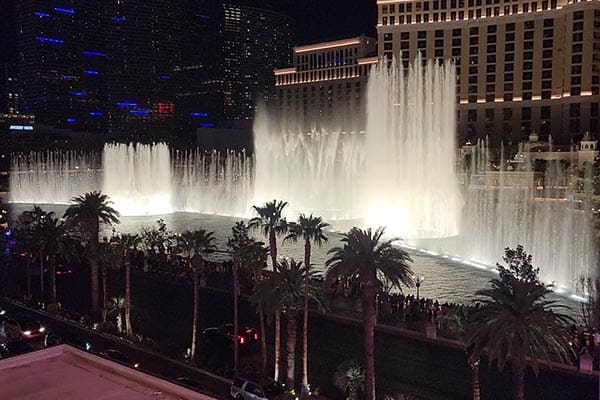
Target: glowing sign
90,72
141,111
20,128
198,114
94,53
64,10
126,104
42,14
49,39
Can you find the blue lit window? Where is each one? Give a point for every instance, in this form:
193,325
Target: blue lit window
119,19
90,72
126,104
71,120
64,10
165,77
42,14
96,113
94,53
202,16
198,114
49,39
207,125
78,94
141,111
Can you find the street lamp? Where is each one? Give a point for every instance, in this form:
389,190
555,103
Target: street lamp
418,280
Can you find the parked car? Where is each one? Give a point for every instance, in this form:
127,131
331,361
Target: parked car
29,328
246,334
32,328
116,355
244,388
191,383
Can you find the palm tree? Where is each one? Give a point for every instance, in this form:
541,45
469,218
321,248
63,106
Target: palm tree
349,378
87,213
114,308
311,230
291,279
460,324
108,258
24,226
515,323
126,244
249,255
272,223
266,296
52,240
364,256
193,245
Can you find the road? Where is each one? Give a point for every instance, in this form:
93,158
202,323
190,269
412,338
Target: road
150,362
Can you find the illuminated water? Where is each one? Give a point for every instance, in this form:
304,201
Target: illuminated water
397,169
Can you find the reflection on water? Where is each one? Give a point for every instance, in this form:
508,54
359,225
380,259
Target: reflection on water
445,280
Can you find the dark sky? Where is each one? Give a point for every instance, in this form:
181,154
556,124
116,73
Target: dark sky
318,20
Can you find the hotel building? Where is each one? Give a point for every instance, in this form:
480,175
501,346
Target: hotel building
326,83
523,66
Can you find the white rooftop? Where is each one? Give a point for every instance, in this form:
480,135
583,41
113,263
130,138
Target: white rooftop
66,373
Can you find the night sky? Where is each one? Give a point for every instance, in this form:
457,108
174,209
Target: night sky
318,20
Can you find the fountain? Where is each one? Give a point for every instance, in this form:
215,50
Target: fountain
397,168
138,178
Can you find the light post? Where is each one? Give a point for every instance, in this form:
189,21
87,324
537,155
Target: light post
418,280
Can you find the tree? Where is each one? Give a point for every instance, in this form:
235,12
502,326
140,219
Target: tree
291,280
108,258
114,309
515,323
87,213
270,220
310,229
364,256
248,255
266,296
193,245
52,240
25,224
126,244
460,323
349,378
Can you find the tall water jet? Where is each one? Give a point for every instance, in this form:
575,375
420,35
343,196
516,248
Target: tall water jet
409,182
138,178
52,177
316,170
212,183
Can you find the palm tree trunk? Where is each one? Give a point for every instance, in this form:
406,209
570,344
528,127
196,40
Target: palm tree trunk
128,327
291,322
518,381
369,338
236,288
277,344
42,277
195,319
104,293
52,265
28,272
94,232
263,342
305,387
475,383
273,247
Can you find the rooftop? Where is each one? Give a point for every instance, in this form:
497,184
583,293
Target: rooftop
66,373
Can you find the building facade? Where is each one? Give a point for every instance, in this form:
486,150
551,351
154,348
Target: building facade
131,68
98,65
325,86
522,66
